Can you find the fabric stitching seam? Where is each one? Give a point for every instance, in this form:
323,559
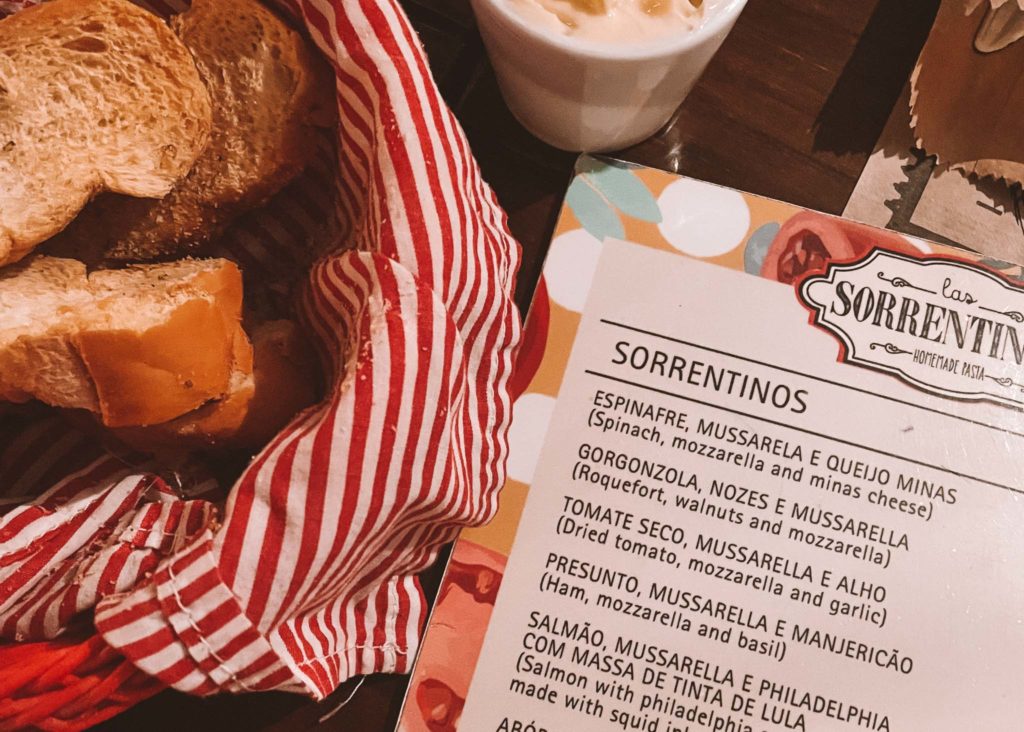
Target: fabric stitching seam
202,638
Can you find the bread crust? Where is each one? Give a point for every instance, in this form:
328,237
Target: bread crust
284,381
94,95
182,357
172,368
270,92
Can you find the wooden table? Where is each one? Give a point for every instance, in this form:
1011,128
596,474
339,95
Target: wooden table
789,108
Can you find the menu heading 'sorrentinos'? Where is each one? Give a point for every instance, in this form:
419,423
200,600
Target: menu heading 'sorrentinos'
710,377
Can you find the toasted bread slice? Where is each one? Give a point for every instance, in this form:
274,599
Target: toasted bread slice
259,403
269,90
94,95
138,346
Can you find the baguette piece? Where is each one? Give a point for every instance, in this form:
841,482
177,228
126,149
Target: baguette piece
269,89
137,346
281,381
94,95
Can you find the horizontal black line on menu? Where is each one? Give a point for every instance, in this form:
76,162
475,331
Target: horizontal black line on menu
812,377
805,431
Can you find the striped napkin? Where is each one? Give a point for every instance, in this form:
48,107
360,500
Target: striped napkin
306,575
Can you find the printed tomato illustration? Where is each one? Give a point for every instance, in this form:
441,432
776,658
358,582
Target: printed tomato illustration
808,240
480,582
440,706
449,655
535,338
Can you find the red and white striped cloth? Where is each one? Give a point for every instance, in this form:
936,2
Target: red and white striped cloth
308,575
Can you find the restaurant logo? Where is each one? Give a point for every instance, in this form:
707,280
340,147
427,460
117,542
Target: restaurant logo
944,326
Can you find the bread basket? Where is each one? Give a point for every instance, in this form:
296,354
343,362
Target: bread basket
118,580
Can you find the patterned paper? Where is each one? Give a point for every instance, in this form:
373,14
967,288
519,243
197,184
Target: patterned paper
679,215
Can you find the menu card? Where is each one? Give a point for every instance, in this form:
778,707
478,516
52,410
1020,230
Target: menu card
764,475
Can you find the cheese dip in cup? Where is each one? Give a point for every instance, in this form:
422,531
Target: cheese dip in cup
612,21
600,75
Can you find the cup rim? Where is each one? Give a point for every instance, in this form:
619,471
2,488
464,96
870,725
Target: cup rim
723,18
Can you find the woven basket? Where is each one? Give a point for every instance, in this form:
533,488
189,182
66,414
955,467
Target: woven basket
68,684
419,273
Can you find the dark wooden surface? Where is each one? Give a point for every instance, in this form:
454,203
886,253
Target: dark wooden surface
789,108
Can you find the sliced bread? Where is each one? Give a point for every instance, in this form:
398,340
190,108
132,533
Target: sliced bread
269,89
137,346
94,95
283,379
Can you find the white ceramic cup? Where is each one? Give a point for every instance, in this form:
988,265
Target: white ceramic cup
588,96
